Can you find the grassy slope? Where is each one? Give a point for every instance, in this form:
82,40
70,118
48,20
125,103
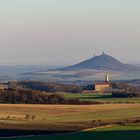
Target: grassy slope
101,97
113,133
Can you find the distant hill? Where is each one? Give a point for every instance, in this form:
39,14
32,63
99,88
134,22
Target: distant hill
92,69
101,62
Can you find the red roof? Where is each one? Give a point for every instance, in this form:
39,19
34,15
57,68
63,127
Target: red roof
102,83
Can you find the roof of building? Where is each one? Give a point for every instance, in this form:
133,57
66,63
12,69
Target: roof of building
102,83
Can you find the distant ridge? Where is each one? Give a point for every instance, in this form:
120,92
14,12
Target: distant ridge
101,62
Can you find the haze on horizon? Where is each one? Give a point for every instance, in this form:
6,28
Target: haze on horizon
68,31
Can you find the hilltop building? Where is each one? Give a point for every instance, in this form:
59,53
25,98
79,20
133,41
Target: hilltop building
98,87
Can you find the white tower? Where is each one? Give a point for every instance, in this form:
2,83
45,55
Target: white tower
106,78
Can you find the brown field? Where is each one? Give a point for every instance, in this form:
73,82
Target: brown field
69,116
49,111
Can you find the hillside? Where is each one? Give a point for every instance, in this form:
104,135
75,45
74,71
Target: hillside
101,62
44,86
89,70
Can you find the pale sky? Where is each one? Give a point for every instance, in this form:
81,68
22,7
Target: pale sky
68,31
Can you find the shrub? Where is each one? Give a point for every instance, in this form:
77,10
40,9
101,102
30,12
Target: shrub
27,116
124,90
56,99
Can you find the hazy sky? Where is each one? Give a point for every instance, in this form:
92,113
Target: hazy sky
68,31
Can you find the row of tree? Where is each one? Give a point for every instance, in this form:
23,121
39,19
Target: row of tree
45,86
27,96
124,90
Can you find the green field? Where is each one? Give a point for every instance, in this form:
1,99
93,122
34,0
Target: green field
106,98
111,133
68,118
73,118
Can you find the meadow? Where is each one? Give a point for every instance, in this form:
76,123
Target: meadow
103,98
118,132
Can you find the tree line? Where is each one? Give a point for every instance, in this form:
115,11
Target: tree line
28,96
45,86
124,90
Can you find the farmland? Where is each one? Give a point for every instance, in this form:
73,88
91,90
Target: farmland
63,118
35,119
67,113
117,132
104,98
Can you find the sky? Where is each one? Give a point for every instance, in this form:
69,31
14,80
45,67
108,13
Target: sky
63,32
